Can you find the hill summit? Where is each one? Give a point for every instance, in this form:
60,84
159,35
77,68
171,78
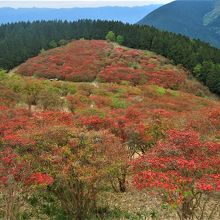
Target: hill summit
89,60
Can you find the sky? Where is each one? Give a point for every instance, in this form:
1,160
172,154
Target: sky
77,3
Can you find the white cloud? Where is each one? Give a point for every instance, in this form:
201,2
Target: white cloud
77,3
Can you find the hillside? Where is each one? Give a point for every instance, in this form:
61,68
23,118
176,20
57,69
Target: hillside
199,58
97,60
90,138
196,19
123,14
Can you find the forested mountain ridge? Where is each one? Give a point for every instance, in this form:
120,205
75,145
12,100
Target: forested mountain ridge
196,19
20,41
123,14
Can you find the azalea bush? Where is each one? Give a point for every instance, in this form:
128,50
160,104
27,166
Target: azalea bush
16,182
81,163
181,170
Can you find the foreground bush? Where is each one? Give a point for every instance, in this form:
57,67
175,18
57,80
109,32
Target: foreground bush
16,182
182,169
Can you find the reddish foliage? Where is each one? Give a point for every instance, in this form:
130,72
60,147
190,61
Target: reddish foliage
16,171
214,117
180,164
167,79
117,74
39,179
95,122
78,61
87,60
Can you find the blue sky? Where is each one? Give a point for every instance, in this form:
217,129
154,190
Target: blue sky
77,3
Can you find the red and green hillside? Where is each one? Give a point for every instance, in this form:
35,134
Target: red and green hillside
122,134
85,60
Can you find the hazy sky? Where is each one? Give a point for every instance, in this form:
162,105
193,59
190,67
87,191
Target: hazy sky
77,3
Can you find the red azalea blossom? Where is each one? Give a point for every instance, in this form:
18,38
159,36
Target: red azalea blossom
179,164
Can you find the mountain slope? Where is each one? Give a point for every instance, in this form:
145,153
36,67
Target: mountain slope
96,130
89,60
196,19
100,61
124,14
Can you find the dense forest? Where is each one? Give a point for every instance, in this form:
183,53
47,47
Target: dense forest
190,18
22,40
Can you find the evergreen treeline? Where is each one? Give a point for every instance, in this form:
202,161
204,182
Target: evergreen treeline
22,40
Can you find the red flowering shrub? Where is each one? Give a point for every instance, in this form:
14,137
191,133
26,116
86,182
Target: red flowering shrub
181,168
16,179
118,74
39,179
162,112
14,170
95,122
81,162
101,101
167,79
214,117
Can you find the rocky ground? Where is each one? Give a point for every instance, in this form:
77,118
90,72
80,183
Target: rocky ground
144,206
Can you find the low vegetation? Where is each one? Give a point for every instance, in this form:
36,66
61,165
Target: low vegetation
96,60
102,145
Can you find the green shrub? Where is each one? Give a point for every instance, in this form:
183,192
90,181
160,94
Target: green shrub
118,103
110,36
3,75
160,90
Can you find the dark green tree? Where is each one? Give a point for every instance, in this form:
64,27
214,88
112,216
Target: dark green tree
120,39
53,44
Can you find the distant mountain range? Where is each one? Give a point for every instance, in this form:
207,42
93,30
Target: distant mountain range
194,18
124,14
